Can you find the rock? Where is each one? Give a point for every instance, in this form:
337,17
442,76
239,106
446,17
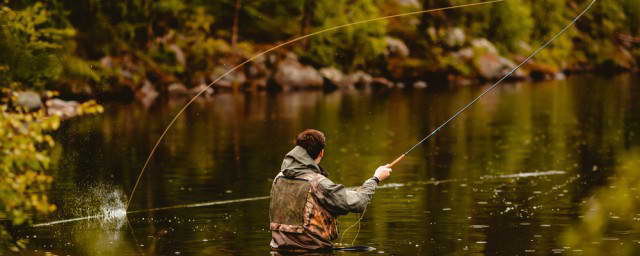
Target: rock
235,78
420,84
396,47
179,54
484,45
106,62
465,54
200,87
177,89
146,94
539,71
64,109
29,100
358,79
291,74
409,3
489,66
493,66
332,76
258,68
455,37
381,82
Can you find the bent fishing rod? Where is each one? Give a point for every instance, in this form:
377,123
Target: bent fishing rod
175,118
465,107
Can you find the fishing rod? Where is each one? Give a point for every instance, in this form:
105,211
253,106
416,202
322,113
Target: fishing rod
397,160
155,147
465,107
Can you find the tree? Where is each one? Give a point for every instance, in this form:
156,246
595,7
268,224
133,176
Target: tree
352,47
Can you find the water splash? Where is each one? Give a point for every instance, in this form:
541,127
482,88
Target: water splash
98,204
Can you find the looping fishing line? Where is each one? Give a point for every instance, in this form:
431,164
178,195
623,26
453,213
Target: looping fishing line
554,37
155,147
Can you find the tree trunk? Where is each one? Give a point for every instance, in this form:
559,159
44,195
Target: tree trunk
432,19
234,28
307,17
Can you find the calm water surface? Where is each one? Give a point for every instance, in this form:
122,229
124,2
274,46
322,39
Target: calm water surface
230,146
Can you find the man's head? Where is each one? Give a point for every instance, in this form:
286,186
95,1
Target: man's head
313,141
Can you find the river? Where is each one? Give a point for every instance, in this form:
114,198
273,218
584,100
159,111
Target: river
505,178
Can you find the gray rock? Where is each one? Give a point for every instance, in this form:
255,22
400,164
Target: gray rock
493,66
64,109
455,37
177,89
560,76
484,45
208,91
234,78
420,84
291,74
29,100
333,76
381,82
146,94
396,47
465,54
358,79
409,3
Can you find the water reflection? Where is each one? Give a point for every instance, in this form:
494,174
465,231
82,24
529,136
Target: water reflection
231,145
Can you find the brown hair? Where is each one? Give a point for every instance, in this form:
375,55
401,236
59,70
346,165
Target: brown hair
311,140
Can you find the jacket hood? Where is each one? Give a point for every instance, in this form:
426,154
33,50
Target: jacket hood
298,162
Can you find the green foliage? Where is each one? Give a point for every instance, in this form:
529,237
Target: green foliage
29,46
24,157
510,24
60,42
352,47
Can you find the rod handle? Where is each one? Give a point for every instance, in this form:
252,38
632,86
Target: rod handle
396,161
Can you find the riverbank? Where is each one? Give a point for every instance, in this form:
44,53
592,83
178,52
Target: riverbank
141,50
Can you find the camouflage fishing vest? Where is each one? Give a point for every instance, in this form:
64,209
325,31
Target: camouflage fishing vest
295,209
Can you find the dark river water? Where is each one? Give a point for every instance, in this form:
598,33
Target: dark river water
508,177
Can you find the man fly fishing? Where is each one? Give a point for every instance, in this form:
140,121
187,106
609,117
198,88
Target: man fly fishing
305,202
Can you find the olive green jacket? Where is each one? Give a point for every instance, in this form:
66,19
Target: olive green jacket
336,198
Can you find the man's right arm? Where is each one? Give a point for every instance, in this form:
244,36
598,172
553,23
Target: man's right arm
340,200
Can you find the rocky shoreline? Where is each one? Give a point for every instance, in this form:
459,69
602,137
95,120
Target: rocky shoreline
283,71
